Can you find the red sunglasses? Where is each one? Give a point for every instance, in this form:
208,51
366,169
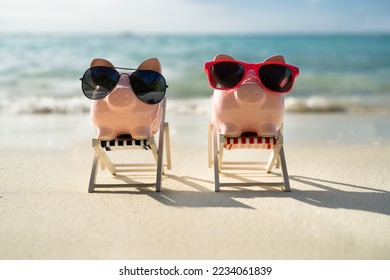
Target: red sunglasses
276,77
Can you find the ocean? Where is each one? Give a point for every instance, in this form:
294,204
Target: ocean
39,74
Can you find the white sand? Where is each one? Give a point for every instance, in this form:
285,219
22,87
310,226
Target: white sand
339,207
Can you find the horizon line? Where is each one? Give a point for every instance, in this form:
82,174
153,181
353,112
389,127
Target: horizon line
205,33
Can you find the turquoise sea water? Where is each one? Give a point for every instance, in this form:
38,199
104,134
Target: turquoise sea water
40,73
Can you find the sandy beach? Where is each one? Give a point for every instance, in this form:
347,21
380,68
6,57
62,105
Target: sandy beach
339,207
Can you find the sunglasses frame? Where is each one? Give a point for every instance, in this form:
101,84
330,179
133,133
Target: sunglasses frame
120,74
251,66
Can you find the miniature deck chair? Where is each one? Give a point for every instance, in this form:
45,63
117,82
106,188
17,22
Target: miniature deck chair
103,147
218,142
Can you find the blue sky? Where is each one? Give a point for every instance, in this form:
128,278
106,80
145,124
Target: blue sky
194,16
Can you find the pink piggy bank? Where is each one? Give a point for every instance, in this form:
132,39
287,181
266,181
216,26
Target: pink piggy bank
125,101
249,97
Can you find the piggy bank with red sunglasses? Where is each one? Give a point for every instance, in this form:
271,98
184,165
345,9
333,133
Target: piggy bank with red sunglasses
249,97
125,101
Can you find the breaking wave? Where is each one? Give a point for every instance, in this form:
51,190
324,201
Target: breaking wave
197,106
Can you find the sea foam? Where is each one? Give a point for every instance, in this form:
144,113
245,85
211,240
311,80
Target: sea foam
191,106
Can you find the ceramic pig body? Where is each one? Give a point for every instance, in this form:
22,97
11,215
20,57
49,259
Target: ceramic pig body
121,112
248,108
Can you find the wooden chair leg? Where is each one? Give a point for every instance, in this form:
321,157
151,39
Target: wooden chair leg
273,158
103,157
216,162
92,179
160,160
284,171
168,146
220,151
210,145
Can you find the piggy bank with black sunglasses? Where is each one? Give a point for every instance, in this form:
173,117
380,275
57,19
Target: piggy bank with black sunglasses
249,97
125,101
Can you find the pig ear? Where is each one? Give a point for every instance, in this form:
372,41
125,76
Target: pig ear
151,64
101,62
275,58
223,57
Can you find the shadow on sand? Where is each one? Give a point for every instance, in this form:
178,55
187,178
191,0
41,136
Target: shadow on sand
323,193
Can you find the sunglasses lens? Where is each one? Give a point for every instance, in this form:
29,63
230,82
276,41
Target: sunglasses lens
99,81
276,77
148,85
224,75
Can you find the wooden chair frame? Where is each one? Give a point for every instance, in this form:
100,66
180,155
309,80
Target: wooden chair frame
101,149
218,142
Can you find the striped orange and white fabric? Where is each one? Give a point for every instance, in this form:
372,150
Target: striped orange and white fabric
253,142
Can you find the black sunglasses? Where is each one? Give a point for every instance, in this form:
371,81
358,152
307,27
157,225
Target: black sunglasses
99,81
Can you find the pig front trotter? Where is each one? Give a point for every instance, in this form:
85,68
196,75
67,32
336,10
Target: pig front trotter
104,133
141,132
230,129
267,129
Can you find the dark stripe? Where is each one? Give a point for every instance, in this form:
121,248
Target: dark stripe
120,142
112,143
138,142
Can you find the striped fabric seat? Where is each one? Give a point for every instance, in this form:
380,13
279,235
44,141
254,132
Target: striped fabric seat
250,142
118,144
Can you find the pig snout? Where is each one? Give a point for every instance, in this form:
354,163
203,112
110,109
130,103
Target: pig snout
250,93
122,96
